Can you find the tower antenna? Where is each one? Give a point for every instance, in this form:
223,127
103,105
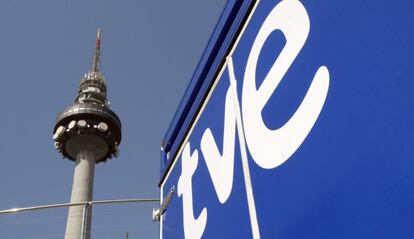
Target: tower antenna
97,54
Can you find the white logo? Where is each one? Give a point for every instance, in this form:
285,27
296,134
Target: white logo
194,227
269,148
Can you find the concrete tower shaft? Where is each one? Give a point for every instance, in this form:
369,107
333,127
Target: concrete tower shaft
87,132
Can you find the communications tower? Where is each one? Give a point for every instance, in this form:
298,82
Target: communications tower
87,132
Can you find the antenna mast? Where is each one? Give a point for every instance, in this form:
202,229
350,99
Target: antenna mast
96,56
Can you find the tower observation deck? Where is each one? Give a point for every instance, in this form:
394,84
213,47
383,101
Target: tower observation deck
87,132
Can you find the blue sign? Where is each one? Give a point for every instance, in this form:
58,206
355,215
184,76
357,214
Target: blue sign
299,123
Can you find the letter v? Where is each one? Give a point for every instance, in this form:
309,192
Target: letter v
221,166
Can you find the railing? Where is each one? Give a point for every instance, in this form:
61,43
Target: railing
84,204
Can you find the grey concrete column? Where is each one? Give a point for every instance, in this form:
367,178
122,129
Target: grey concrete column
81,192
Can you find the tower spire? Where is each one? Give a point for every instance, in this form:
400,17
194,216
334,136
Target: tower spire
96,56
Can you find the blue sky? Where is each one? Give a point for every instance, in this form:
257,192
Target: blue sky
149,52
